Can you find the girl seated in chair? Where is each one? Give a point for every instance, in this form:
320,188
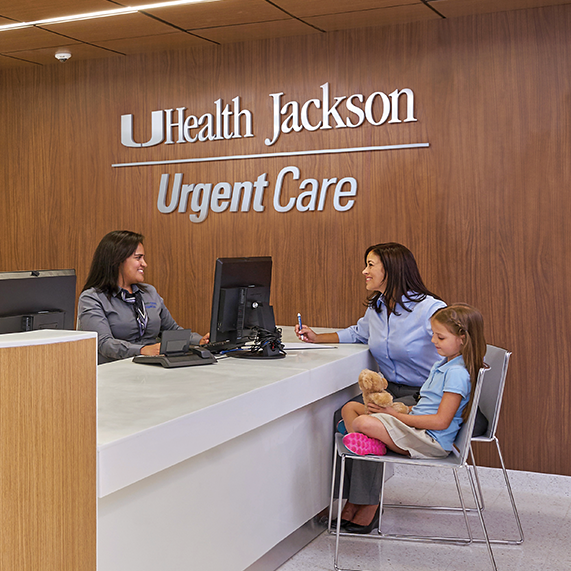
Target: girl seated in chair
431,427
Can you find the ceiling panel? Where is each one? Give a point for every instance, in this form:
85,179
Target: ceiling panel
455,8
124,26
164,42
31,10
7,62
27,39
219,22
218,14
258,31
303,8
45,56
377,17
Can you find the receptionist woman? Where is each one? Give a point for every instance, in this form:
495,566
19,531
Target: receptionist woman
126,313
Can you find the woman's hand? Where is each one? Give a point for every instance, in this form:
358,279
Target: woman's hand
306,334
151,349
205,339
309,336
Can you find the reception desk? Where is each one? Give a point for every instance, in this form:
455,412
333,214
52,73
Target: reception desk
215,467
48,425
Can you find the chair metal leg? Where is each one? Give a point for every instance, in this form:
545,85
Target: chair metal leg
436,508
475,468
482,523
338,533
512,501
464,510
439,539
340,499
331,499
480,501
412,538
443,508
338,528
510,494
381,499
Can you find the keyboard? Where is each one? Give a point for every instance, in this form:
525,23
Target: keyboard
217,347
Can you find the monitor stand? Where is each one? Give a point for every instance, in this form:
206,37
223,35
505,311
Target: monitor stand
264,353
272,347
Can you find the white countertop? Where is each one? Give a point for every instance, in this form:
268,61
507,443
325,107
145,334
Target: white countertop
150,418
43,337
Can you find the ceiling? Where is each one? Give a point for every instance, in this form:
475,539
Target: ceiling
209,23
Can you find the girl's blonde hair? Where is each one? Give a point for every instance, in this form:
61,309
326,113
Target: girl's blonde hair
467,322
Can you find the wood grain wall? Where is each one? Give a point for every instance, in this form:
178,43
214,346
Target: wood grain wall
484,208
48,457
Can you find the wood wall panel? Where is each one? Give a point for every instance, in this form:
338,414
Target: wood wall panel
48,490
484,209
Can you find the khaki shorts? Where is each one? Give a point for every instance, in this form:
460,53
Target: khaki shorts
415,440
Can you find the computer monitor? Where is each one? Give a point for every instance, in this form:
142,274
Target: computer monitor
43,299
241,299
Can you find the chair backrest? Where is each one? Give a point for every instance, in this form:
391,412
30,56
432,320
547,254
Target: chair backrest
493,389
462,442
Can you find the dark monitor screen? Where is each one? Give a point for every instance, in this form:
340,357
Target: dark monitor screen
241,298
43,299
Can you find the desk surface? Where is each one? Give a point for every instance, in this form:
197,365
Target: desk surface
151,418
43,337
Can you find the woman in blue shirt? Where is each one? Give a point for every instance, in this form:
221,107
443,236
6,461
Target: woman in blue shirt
396,326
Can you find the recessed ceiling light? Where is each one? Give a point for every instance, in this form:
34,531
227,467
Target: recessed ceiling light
100,14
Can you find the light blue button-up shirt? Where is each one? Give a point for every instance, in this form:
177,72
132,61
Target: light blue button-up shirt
401,344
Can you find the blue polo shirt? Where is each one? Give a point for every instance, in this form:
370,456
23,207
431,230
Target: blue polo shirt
445,377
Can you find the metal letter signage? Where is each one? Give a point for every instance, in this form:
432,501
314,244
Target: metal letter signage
204,197
342,112
226,121
171,126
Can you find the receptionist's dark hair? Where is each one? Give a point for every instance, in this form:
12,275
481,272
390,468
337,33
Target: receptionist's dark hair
402,278
111,252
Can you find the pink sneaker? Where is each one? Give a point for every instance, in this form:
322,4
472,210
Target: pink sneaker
363,445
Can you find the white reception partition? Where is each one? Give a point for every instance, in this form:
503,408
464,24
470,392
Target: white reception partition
212,467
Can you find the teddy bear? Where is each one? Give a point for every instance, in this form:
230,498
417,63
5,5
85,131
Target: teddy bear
373,386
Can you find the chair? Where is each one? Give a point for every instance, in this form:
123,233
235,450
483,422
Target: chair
490,404
455,461
497,360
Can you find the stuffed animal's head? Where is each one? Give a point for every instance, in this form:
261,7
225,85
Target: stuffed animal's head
370,381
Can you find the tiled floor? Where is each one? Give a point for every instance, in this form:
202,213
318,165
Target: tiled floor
544,505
